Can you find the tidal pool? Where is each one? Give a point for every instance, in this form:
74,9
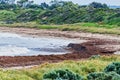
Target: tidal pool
16,45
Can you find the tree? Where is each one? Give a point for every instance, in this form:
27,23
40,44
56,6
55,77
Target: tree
7,4
2,1
24,3
97,5
44,5
7,1
56,3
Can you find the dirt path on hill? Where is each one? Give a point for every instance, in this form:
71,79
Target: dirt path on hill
97,44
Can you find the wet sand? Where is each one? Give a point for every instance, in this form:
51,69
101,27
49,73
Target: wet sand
97,44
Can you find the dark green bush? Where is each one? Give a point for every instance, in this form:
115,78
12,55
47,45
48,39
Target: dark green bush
103,76
115,67
62,75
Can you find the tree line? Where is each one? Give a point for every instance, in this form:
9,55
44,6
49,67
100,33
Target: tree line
57,12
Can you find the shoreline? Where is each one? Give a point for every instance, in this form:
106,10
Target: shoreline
33,32
95,45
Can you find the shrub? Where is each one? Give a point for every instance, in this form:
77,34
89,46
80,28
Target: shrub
95,57
103,76
7,15
62,75
115,66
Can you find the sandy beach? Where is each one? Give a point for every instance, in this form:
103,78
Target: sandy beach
96,44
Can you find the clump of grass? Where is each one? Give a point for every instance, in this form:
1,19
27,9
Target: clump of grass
94,57
13,75
47,27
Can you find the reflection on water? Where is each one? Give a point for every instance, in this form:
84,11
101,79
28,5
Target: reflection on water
16,45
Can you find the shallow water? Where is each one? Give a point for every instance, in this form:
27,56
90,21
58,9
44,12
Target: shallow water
16,45
117,52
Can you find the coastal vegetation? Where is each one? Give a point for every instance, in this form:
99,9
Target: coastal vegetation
65,16
62,15
101,67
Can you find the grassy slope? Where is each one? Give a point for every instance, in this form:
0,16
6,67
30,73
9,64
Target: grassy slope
82,67
85,27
